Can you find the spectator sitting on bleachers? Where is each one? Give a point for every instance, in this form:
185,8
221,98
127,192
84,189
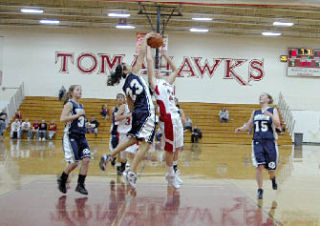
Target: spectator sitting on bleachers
15,128
18,116
43,130
196,134
62,92
52,129
25,128
3,119
104,111
93,126
35,129
188,124
224,115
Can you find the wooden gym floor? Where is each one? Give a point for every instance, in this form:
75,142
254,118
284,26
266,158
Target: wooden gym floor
219,188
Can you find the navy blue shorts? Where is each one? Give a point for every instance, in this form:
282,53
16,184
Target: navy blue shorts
143,126
75,147
114,141
265,153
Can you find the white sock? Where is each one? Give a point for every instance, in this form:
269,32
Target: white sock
175,163
170,170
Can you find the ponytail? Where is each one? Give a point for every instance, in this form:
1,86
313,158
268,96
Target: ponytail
115,77
68,95
270,98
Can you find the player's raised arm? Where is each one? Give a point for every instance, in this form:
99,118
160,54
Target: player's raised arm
247,126
137,67
174,73
150,65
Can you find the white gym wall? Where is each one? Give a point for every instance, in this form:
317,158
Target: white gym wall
30,54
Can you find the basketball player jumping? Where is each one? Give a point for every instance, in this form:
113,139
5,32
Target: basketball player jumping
170,120
143,114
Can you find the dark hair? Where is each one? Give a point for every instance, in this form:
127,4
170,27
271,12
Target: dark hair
116,76
69,93
270,98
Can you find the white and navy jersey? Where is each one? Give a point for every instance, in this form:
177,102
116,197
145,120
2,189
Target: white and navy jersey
125,124
114,125
139,92
164,94
263,126
77,126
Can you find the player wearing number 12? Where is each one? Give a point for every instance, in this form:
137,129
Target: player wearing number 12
265,150
75,145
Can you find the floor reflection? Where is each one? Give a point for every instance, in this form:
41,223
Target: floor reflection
216,202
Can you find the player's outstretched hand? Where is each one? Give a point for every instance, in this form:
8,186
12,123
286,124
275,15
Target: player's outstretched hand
163,52
148,35
237,130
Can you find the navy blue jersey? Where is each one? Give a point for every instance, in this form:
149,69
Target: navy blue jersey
137,89
114,126
263,126
77,126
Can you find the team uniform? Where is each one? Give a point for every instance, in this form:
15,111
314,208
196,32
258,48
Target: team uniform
119,131
74,142
143,115
265,150
170,120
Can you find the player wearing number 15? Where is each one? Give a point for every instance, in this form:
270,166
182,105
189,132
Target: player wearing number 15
75,145
265,150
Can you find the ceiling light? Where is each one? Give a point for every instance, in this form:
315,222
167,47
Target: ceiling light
283,24
202,18
119,15
199,30
32,11
47,21
269,33
125,26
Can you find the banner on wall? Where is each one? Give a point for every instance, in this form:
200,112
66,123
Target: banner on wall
243,71
140,38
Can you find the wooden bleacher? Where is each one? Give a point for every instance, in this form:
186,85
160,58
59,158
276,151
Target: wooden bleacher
205,115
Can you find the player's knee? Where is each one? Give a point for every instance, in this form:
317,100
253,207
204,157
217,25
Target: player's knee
260,167
73,165
86,161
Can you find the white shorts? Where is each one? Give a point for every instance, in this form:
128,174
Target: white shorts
122,137
143,125
172,133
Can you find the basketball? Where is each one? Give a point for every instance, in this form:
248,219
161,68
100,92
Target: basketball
155,41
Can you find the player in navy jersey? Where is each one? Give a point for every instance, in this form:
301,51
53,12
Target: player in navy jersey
143,113
75,145
265,150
